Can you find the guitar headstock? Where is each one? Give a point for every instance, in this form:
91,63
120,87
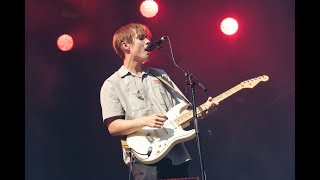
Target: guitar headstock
254,81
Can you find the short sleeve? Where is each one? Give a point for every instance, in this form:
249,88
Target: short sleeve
109,100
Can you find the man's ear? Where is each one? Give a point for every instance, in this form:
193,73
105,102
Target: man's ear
125,46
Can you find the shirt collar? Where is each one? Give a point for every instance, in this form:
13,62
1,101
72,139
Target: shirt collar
123,71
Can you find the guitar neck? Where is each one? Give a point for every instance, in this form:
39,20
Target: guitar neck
228,93
188,116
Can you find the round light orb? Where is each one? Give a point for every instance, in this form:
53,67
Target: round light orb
65,42
149,8
229,26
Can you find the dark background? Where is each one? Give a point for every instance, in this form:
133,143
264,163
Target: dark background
250,137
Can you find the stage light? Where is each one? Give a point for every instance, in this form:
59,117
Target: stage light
149,8
229,26
65,42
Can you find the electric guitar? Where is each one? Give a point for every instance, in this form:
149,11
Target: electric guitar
150,145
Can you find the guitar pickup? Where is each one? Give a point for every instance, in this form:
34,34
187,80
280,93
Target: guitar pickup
164,129
149,137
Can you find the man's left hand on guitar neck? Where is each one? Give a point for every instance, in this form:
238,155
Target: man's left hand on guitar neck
210,107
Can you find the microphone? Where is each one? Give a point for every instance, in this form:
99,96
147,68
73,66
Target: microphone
151,46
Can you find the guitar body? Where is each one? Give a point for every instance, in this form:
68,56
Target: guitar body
149,145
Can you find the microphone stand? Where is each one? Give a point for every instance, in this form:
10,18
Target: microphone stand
192,81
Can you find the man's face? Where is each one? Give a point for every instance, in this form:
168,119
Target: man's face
137,48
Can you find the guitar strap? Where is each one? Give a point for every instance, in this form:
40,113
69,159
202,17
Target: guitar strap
159,76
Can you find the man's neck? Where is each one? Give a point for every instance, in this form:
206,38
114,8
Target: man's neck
133,66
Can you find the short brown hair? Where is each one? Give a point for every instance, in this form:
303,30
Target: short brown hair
127,33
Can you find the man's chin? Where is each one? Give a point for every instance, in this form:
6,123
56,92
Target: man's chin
145,60
146,57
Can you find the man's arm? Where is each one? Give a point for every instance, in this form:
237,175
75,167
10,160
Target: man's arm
120,127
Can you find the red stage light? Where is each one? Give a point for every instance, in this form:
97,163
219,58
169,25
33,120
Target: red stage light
149,8
65,42
229,26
